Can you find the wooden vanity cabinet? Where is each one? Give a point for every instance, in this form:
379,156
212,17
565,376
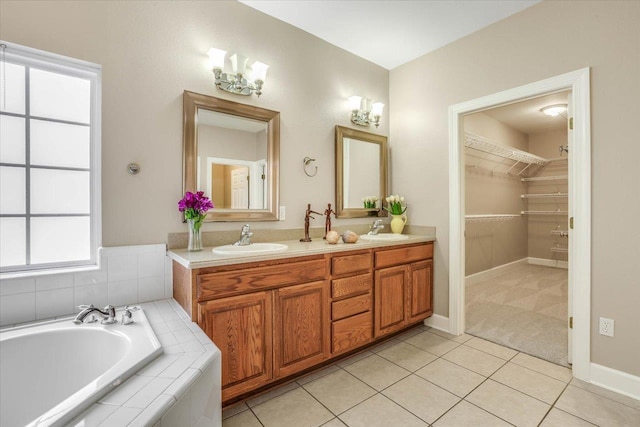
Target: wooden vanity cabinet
274,319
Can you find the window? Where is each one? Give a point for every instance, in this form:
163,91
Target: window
49,160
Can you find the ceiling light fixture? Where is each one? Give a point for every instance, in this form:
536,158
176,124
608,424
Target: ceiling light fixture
237,81
554,110
364,111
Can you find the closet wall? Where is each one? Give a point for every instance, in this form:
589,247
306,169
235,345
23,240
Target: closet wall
491,242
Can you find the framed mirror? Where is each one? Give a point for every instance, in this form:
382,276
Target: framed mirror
231,151
361,171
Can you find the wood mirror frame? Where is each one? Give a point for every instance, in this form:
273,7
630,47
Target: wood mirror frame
381,140
192,103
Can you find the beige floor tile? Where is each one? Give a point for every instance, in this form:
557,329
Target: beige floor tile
457,338
558,418
456,379
376,371
476,360
407,356
466,414
432,343
385,345
411,332
508,404
412,392
491,348
318,374
555,371
234,410
597,409
334,423
606,393
261,398
380,412
339,391
243,419
353,359
529,382
296,408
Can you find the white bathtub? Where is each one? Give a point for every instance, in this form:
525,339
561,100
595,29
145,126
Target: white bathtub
53,371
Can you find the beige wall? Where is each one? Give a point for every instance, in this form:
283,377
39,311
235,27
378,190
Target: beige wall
490,190
151,52
550,38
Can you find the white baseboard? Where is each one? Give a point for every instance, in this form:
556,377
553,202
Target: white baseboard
437,321
493,272
548,262
618,381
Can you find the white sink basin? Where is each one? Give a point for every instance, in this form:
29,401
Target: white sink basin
252,249
385,237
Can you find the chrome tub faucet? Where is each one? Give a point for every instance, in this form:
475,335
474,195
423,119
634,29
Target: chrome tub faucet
245,236
108,314
375,227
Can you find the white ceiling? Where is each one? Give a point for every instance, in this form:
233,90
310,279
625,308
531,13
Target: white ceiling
390,33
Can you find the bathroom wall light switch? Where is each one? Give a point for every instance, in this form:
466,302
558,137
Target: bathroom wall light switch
283,212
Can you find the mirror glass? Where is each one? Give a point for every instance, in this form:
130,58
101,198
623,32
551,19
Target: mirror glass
361,172
232,154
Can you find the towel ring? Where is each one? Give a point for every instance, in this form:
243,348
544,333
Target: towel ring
306,162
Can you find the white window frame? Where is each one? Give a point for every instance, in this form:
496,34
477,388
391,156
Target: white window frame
52,62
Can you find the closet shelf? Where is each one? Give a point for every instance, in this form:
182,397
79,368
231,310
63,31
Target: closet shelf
560,250
543,195
490,217
545,178
561,233
557,159
479,143
544,212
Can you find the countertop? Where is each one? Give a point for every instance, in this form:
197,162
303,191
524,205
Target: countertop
295,248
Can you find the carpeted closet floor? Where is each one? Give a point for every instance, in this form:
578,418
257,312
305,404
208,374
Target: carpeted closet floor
524,309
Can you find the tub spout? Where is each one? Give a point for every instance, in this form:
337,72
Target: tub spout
108,314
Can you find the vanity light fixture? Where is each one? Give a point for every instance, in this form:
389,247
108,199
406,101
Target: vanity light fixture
364,112
554,110
242,80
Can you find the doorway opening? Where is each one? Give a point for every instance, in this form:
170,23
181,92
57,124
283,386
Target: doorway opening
516,225
578,205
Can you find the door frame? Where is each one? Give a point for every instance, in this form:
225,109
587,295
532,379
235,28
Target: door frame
579,202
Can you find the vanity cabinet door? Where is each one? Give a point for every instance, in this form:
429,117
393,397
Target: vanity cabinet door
391,285
419,291
241,328
301,320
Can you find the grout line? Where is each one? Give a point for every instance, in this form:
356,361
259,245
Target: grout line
605,397
542,373
255,415
553,404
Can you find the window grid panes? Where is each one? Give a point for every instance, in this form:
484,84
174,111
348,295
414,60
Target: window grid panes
47,203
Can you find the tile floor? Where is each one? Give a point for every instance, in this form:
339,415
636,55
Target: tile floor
427,377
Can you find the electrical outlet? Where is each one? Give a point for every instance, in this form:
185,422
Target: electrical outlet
283,212
606,326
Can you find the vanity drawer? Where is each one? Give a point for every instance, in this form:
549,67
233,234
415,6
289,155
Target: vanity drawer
345,264
352,332
350,306
351,286
215,285
404,255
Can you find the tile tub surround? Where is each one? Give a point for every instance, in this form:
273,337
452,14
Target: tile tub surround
416,379
181,388
126,275
295,248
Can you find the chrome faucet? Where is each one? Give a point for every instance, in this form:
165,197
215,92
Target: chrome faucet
245,236
108,314
375,227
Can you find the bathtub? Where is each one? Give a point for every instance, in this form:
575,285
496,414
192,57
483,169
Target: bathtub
52,371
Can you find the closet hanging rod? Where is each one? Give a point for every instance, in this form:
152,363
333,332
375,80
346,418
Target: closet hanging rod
560,250
542,195
544,212
561,233
479,143
557,159
545,178
490,217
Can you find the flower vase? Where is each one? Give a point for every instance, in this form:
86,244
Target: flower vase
397,223
195,235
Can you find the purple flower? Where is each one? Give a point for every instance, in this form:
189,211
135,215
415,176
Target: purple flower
194,205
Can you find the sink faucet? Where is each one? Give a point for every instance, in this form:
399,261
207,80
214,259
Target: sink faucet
375,227
108,314
245,236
